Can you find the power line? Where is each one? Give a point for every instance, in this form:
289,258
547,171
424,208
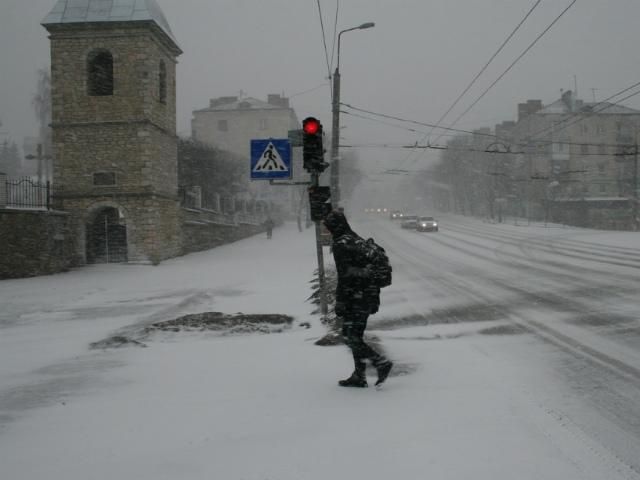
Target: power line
415,122
324,39
309,90
542,34
468,132
486,65
335,31
464,149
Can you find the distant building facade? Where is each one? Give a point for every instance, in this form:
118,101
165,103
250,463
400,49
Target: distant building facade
230,123
580,158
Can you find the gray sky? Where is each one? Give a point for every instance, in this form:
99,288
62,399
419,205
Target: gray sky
414,63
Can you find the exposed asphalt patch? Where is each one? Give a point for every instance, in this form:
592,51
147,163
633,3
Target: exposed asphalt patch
480,312
117,341
504,330
224,324
437,336
601,319
227,323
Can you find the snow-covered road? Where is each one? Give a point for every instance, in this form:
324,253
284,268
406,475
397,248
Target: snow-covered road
518,348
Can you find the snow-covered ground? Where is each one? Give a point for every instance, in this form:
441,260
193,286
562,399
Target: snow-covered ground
465,402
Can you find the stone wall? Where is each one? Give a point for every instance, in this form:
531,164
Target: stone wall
34,243
203,230
137,51
152,224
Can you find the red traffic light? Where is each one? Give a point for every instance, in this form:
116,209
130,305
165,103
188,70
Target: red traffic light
311,126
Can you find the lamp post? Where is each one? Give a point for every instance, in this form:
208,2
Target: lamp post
335,127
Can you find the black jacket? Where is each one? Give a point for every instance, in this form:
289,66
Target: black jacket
355,289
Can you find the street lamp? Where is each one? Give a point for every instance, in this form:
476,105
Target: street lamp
335,127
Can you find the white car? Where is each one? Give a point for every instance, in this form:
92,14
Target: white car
427,224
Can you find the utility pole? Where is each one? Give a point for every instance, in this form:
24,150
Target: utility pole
335,121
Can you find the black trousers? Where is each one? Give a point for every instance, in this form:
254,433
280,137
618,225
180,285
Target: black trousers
353,327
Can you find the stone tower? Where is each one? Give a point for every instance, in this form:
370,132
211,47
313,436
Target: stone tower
113,82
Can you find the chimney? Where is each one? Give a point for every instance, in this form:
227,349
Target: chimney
532,106
277,100
569,100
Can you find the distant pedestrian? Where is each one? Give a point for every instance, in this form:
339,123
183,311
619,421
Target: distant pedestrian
357,297
268,225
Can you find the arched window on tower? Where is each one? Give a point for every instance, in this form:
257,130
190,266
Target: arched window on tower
163,82
100,73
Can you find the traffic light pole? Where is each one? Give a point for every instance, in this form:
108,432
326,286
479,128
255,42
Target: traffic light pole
335,140
315,181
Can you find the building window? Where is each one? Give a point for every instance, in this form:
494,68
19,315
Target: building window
601,150
162,82
603,188
223,126
264,124
601,168
584,149
104,179
100,73
584,128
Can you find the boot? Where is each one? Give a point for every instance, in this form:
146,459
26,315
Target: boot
383,369
355,380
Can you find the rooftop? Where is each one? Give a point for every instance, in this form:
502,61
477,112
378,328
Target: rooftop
235,103
98,11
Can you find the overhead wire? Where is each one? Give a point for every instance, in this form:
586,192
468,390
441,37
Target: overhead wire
415,122
309,90
486,65
522,55
482,70
459,131
324,40
335,32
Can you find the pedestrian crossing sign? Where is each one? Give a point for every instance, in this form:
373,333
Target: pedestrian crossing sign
270,159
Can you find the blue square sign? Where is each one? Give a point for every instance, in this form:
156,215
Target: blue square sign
270,159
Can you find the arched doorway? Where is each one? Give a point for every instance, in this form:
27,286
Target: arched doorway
107,237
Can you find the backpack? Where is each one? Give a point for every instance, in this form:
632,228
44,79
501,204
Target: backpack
376,256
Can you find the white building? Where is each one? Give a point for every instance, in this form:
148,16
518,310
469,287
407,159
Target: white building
230,123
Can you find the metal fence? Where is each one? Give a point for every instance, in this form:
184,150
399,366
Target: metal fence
24,193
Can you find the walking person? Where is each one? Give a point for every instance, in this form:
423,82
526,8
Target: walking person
268,225
357,297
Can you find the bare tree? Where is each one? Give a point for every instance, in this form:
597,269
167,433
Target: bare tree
41,103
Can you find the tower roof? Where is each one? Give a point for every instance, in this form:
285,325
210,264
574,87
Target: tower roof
98,11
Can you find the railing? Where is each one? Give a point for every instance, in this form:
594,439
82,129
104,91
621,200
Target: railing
24,193
225,210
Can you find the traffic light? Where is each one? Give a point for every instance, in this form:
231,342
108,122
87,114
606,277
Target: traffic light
319,202
312,148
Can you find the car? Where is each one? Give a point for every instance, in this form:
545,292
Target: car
426,224
409,221
395,215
